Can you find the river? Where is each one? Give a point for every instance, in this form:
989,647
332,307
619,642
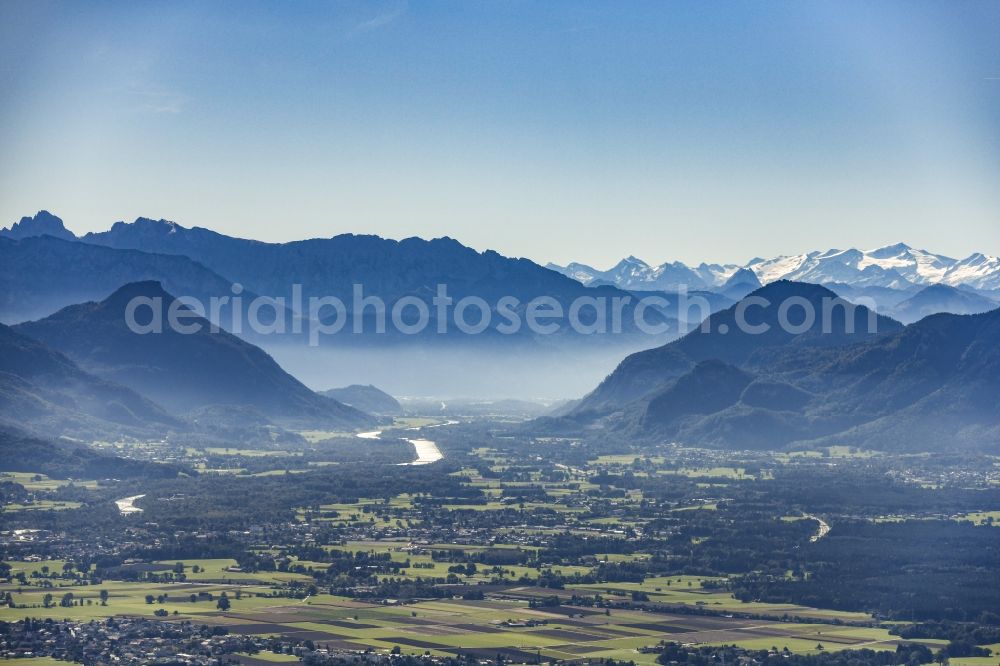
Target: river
824,529
426,450
126,505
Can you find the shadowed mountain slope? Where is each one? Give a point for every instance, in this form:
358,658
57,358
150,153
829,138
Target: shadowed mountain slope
366,398
932,385
747,333
44,390
941,298
183,371
41,274
23,452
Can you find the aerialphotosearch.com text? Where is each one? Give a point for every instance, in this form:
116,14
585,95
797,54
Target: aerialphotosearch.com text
322,316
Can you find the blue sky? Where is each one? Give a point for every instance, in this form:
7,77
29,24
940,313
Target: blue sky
554,130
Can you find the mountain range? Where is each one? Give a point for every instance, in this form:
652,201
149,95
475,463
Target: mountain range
853,376
941,298
898,267
931,385
45,266
202,263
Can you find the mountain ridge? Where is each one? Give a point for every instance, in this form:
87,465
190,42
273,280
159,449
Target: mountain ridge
320,267
42,223
725,337
931,385
42,274
937,298
897,266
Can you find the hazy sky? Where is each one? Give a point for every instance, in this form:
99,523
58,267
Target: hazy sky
553,130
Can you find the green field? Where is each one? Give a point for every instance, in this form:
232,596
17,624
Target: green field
35,482
451,626
43,505
981,517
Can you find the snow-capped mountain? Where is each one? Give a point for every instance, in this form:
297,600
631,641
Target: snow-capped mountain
635,274
742,282
898,267
979,271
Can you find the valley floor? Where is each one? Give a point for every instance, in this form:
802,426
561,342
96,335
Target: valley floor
495,543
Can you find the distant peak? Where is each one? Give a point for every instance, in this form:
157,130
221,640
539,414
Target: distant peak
142,289
160,225
890,250
743,276
630,260
443,241
43,223
938,288
782,289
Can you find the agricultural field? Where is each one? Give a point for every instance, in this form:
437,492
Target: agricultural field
32,481
981,517
506,624
42,505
